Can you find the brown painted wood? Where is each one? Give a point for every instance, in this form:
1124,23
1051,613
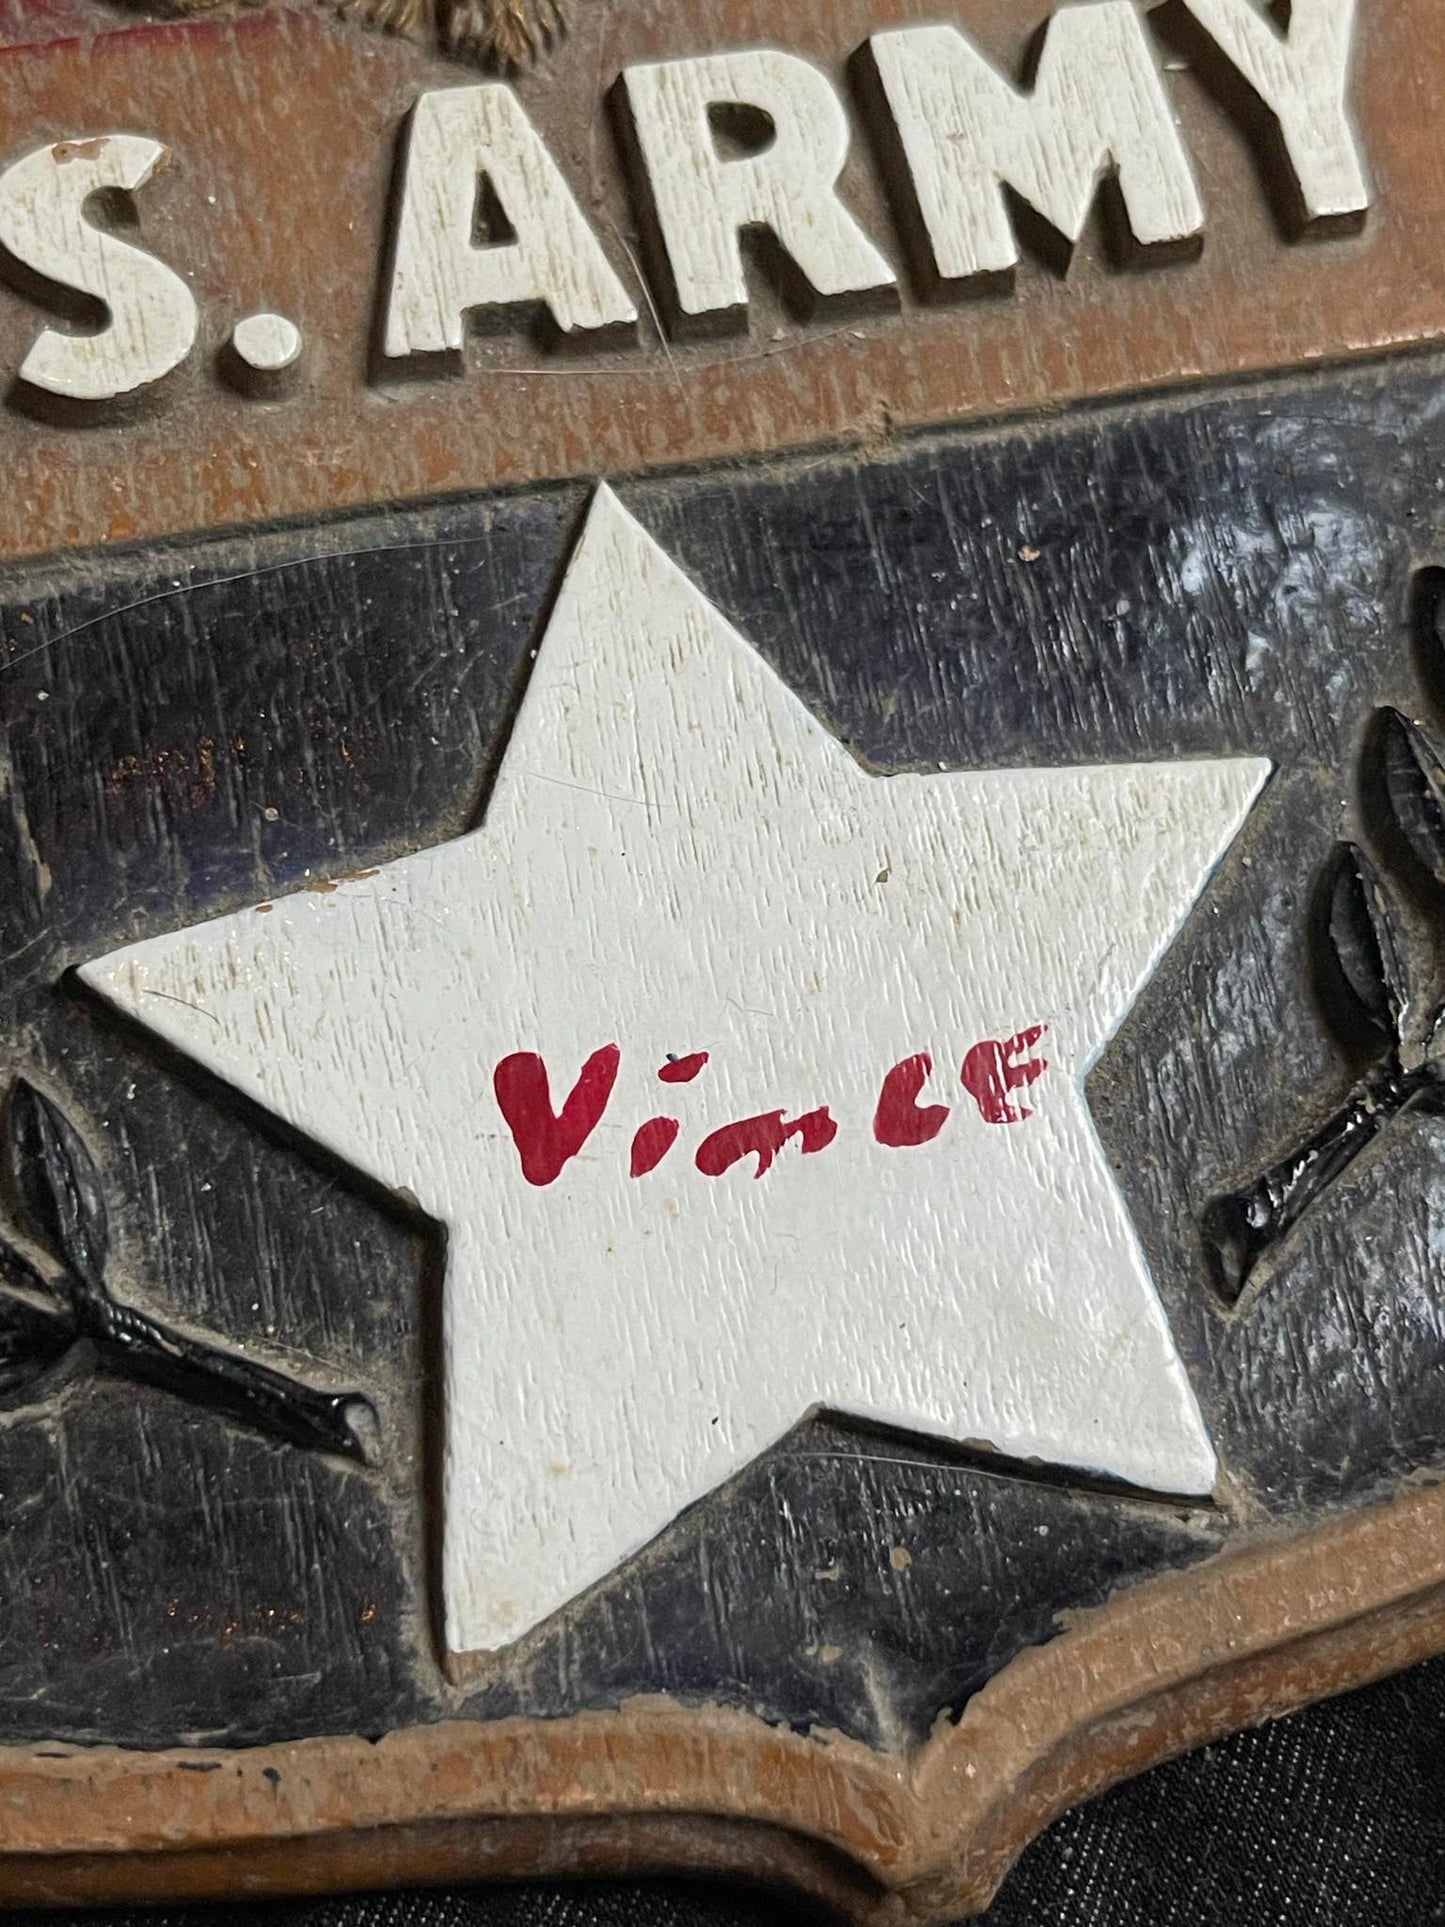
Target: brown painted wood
285,130
1166,1666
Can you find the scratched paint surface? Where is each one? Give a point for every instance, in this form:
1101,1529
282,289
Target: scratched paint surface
194,730
675,852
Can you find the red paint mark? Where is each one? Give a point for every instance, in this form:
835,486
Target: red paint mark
763,1136
990,1072
682,1070
652,1143
547,1140
900,1119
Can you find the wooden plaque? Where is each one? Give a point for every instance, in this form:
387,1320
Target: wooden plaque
722,943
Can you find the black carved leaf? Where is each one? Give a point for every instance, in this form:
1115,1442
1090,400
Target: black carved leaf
1362,938
58,1182
284,1407
1415,788
34,1329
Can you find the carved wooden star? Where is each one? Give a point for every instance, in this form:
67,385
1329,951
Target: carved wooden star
720,1060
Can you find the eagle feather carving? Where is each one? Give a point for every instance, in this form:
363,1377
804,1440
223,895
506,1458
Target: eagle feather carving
503,35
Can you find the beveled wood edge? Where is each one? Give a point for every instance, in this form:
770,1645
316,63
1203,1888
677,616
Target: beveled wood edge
657,1787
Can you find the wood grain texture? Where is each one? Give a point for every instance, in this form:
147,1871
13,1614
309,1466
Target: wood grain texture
150,318
891,1842
1098,101
673,849
455,136
259,729
285,133
1243,581
868,1666
704,204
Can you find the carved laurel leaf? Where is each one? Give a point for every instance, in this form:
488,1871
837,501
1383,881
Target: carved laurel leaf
1414,780
34,1329
1361,930
58,1183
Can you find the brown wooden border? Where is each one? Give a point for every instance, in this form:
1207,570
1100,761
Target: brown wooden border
654,1787
284,127
1166,1665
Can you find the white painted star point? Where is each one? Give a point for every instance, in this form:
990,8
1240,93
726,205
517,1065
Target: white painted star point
720,1060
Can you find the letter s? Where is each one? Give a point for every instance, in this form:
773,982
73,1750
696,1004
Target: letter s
151,313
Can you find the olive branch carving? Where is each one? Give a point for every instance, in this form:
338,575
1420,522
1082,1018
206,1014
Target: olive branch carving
1381,984
45,1314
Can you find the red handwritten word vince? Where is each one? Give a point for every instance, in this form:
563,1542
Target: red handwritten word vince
991,1070
548,1140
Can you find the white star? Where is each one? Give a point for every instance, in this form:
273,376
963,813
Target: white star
677,858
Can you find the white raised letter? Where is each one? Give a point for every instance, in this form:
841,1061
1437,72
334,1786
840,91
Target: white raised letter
703,200
1300,75
1097,111
464,140
151,313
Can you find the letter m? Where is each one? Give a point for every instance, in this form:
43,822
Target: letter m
1096,114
